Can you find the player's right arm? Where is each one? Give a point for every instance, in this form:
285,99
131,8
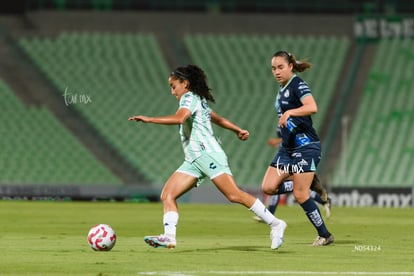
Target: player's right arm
179,117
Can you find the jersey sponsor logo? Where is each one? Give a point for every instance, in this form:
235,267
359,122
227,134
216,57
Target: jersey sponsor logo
288,185
316,218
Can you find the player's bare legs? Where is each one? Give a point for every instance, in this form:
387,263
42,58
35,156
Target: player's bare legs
178,184
272,179
226,184
301,186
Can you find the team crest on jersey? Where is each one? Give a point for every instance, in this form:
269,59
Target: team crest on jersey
286,94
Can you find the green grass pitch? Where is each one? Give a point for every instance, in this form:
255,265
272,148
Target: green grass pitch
49,238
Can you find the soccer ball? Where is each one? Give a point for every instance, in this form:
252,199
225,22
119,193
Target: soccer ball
101,237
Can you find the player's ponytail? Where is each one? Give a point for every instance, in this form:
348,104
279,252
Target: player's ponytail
197,80
298,65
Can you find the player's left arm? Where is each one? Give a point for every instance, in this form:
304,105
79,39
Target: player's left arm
242,134
308,108
179,117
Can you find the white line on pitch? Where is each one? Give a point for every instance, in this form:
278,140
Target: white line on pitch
193,273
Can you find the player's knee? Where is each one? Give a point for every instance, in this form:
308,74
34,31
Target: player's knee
301,195
268,189
165,197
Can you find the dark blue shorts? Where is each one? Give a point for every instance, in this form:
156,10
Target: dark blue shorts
298,160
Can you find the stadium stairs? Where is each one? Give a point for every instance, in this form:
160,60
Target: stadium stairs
379,147
344,103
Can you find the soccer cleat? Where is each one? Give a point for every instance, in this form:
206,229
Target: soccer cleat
321,241
161,240
276,235
327,207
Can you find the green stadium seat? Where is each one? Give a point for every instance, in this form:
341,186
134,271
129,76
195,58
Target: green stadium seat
39,150
238,67
377,156
124,74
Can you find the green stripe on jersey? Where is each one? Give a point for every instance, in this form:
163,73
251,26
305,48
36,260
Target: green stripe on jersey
197,133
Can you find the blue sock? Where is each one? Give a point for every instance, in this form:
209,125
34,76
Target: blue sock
273,202
316,197
312,211
285,187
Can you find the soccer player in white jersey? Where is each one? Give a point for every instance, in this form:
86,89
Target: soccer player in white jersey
204,157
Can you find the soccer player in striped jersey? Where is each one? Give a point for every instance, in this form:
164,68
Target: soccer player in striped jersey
300,151
204,156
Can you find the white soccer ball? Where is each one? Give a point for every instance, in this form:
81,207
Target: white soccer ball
101,237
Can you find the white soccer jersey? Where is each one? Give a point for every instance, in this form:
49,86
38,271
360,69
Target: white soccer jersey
196,132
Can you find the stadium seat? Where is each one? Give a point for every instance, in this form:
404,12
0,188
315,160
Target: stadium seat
238,67
380,148
37,149
124,74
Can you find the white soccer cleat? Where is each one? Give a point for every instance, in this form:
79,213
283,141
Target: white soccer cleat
160,241
277,234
